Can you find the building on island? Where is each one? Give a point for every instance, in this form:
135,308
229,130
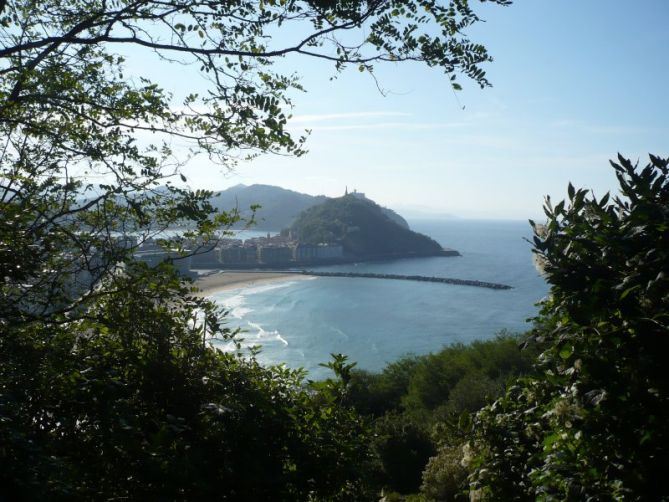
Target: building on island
305,252
278,250
354,193
329,251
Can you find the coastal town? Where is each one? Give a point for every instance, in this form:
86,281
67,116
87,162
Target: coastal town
276,252
258,252
271,251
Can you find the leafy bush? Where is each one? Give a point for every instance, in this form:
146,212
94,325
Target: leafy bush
462,367
445,475
127,402
418,403
378,393
595,423
404,446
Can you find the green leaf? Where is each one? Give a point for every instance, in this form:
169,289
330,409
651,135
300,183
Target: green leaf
566,351
625,293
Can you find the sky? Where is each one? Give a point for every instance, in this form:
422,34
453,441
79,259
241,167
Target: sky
574,83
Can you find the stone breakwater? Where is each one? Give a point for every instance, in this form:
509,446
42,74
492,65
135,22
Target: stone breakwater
420,278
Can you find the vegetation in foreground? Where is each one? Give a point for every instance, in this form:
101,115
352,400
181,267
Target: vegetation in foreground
590,420
592,424
127,400
107,389
129,403
418,403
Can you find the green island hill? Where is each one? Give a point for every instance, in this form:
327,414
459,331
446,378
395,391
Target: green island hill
363,229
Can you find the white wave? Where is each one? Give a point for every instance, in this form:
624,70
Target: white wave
235,305
263,288
267,336
258,328
260,288
239,344
224,346
235,300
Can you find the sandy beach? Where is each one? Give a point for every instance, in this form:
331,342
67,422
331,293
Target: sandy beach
222,281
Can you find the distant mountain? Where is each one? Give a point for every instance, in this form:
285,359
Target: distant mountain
279,206
363,228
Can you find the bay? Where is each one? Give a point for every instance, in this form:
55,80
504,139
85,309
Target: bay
375,321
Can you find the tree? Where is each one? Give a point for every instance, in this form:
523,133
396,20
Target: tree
127,404
420,409
592,423
107,387
75,151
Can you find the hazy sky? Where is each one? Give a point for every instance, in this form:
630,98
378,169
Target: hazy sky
575,82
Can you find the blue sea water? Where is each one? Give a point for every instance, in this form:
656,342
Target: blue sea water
373,321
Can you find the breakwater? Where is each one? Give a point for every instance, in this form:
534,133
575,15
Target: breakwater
420,278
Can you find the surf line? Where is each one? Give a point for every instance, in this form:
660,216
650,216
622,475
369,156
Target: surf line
419,278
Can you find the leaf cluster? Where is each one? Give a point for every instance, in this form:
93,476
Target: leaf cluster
593,424
421,406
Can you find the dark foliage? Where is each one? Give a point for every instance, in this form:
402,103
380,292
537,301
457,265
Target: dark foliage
108,389
419,403
595,423
129,403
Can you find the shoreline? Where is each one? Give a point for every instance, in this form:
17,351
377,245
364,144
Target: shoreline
226,281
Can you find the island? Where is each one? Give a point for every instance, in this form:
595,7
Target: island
363,229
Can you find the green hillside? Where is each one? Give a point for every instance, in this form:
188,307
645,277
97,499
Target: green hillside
363,229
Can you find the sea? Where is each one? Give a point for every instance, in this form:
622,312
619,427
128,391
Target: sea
374,322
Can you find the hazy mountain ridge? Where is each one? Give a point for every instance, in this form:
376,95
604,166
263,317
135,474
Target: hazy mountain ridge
280,207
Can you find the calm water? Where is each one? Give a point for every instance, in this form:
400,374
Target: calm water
376,321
